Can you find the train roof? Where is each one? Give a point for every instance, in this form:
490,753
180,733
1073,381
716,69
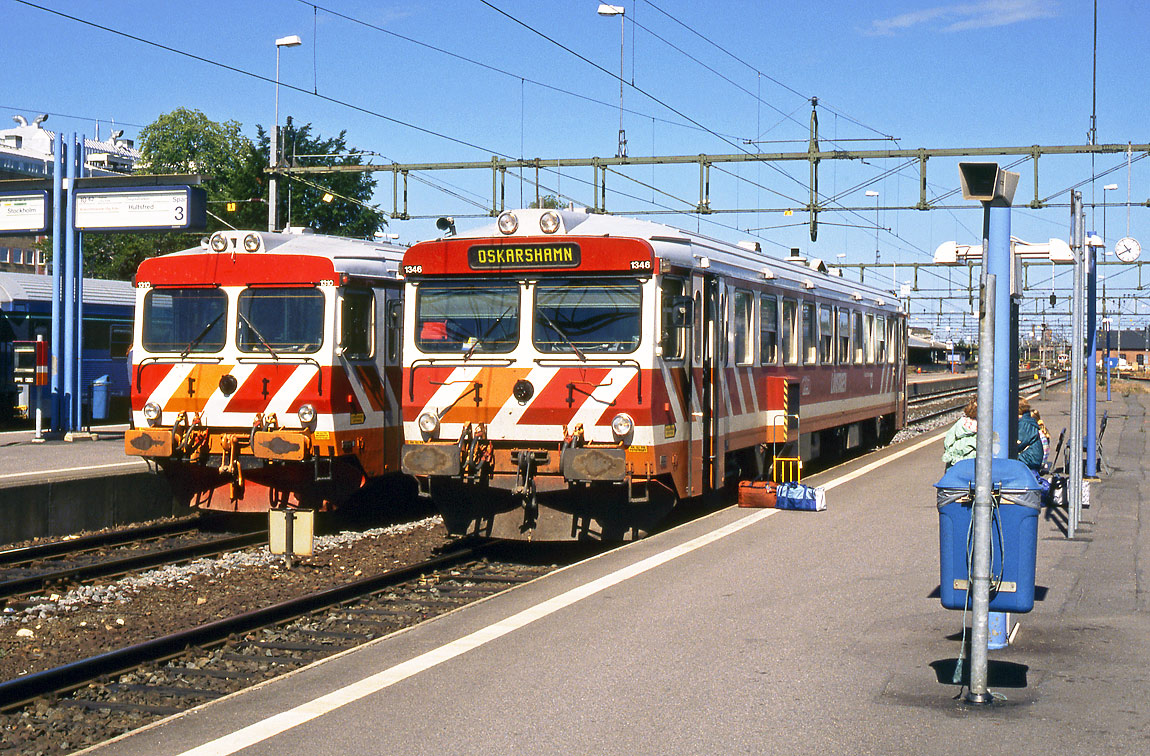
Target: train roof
17,290
693,250
335,254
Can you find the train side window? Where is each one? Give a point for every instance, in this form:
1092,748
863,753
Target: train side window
869,333
810,334
744,320
857,340
96,335
893,339
675,318
698,320
768,330
119,340
357,324
826,335
394,326
843,337
790,332
880,341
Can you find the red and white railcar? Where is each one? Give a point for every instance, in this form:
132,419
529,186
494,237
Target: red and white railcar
265,368
572,375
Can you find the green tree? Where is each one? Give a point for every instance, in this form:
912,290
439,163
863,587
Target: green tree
548,201
347,212
233,167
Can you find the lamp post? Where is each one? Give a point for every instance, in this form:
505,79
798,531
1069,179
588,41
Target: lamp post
1105,189
618,10
273,152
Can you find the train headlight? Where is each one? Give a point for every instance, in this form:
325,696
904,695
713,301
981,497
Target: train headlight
152,412
219,243
508,223
306,414
252,243
428,422
622,424
549,222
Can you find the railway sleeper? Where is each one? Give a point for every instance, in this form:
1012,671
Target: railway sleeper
308,648
263,659
178,691
89,705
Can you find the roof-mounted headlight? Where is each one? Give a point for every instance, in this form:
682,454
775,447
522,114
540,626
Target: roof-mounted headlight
549,222
252,243
219,242
508,223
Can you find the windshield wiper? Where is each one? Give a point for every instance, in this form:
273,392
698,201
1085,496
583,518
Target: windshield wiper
192,344
562,335
259,336
471,349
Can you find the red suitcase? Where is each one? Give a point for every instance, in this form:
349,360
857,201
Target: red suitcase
757,493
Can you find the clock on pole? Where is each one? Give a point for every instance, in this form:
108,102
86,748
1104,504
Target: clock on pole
1127,249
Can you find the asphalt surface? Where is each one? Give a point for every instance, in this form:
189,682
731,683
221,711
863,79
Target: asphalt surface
778,633
24,461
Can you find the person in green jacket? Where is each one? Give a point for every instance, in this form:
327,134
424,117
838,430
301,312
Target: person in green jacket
961,439
1029,438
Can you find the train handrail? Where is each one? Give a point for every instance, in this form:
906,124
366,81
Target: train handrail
601,362
173,360
288,359
450,362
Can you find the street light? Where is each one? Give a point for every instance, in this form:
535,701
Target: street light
273,153
618,10
1105,189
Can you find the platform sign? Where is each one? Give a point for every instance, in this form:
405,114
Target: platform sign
1112,362
24,212
144,208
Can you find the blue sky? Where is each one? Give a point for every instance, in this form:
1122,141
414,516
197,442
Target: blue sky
706,78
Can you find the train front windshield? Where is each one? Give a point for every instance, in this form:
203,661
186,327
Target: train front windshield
468,316
587,316
185,320
280,320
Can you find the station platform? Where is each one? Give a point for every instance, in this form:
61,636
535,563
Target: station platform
56,487
749,631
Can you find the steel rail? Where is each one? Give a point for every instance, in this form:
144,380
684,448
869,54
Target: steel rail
128,564
21,690
99,540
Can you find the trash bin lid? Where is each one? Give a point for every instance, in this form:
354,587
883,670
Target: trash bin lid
1005,474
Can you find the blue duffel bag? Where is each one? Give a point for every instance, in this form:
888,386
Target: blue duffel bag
801,497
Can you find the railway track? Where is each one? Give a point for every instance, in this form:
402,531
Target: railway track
30,569
920,409
105,695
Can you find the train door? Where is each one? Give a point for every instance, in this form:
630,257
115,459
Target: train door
392,373
707,402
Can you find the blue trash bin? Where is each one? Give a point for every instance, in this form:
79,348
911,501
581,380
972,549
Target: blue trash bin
100,398
1013,536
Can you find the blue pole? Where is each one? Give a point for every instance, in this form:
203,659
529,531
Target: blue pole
1091,365
1005,366
1005,423
78,422
69,352
57,342
1108,363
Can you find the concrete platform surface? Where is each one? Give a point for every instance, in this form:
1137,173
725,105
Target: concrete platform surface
749,631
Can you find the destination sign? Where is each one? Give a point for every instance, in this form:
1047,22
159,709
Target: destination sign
486,257
24,212
141,208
